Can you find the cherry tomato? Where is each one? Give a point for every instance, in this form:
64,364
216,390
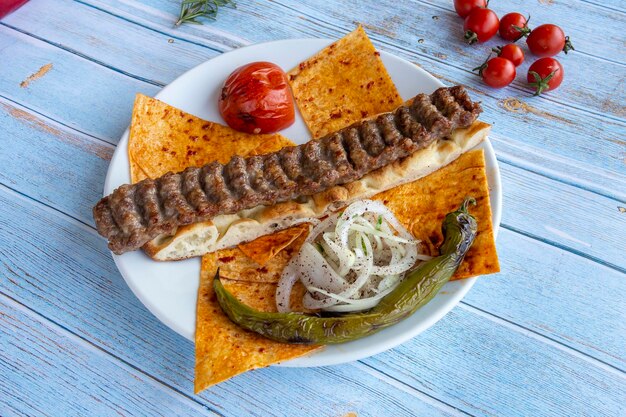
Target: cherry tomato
7,6
497,72
511,52
545,74
509,22
548,40
256,98
464,7
480,25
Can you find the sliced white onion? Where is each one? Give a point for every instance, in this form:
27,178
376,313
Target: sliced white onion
285,285
321,273
351,260
350,304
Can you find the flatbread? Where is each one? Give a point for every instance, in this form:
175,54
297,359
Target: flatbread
343,83
163,138
421,206
224,349
236,264
263,249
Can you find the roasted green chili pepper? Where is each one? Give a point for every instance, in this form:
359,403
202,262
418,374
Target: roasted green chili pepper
417,289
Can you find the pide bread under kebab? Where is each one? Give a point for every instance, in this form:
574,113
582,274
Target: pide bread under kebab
383,147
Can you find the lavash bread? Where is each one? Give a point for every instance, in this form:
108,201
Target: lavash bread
230,230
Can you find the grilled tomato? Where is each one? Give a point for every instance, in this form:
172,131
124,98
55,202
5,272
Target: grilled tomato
256,98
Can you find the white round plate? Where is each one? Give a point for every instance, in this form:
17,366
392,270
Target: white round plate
169,289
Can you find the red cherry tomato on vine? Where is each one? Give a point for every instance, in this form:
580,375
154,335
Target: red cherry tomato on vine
497,72
507,26
548,40
256,98
545,74
511,52
480,25
464,7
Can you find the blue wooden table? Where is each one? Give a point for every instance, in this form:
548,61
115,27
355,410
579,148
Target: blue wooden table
546,337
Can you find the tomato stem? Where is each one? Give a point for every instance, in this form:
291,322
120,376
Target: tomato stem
471,37
482,66
524,32
568,45
541,84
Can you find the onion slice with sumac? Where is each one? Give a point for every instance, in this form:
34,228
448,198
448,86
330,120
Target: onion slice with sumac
351,260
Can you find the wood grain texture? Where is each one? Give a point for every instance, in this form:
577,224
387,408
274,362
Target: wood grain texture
563,169
485,369
564,216
73,91
85,293
144,54
48,372
38,153
565,297
548,129
403,24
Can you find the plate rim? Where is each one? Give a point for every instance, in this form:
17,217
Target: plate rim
465,285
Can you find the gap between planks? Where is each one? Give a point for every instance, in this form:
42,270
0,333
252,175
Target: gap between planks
544,339
515,155
603,6
58,123
442,405
190,38
89,346
564,248
509,324
83,56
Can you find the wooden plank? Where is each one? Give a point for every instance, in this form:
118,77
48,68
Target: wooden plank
552,292
556,140
529,199
48,372
616,5
489,369
550,165
38,153
402,24
145,54
163,20
75,91
87,295
529,206
563,215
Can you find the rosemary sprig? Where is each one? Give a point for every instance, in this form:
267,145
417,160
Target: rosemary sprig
191,10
